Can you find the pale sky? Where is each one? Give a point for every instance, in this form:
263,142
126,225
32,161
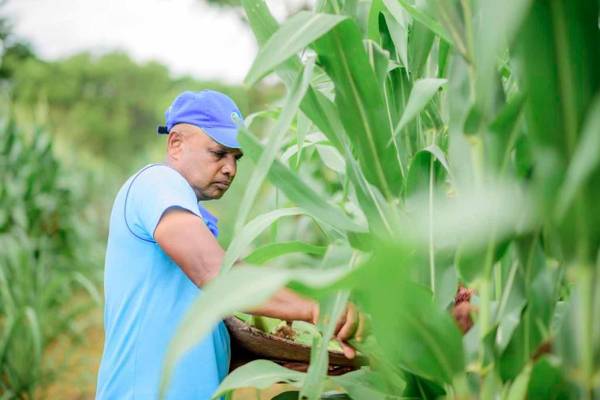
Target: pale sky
186,35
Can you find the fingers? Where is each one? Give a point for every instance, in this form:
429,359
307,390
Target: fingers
350,324
348,330
348,351
341,322
315,313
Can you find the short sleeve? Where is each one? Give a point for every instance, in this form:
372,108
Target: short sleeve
154,190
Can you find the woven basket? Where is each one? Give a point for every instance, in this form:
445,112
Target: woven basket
249,343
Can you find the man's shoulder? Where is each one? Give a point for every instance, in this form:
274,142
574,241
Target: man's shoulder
151,180
155,176
156,171
146,195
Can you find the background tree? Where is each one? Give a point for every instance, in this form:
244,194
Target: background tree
109,104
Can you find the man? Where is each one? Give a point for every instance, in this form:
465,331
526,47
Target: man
162,249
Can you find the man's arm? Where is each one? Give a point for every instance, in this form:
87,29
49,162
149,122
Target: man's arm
187,240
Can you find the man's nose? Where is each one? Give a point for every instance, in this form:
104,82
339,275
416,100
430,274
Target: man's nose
230,167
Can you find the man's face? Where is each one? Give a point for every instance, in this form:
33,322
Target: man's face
208,166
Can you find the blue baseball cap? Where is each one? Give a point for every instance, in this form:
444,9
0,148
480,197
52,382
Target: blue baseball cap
212,111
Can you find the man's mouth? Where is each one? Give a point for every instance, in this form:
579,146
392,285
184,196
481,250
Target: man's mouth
222,185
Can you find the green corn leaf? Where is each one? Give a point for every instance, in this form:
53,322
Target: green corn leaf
547,381
319,109
420,95
9,329
365,384
468,217
294,35
585,159
518,389
561,88
506,328
398,28
382,218
296,190
303,127
361,104
309,141
373,21
324,114
330,310
270,113
395,8
9,303
504,133
439,155
424,175
261,21
413,332
379,60
350,7
260,374
443,51
561,79
264,26
535,321
36,335
331,158
250,231
494,31
448,14
420,171
273,250
263,165
420,43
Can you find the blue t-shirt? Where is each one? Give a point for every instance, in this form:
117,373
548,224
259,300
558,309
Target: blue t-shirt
147,294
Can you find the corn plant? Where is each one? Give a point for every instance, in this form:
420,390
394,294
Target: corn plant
436,148
46,266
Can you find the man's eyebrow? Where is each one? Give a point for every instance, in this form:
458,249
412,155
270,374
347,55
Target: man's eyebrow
220,147
226,149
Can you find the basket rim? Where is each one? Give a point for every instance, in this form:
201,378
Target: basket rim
256,341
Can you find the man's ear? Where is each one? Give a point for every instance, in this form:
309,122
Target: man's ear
175,144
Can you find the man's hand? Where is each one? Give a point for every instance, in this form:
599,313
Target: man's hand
351,325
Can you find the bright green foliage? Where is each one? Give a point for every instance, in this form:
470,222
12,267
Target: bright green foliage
462,150
360,104
108,105
262,375
46,259
296,34
273,250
